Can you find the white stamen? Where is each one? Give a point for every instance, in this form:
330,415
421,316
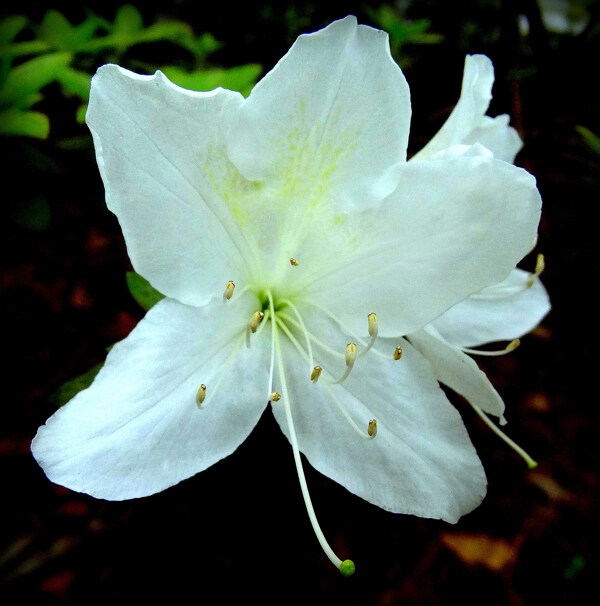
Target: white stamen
315,374
345,567
201,400
350,354
530,462
228,290
498,352
255,319
275,397
373,331
303,328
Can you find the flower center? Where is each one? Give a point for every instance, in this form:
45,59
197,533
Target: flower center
286,320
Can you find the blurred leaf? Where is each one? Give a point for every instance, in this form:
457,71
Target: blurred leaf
241,78
142,291
32,213
575,567
10,27
28,47
589,137
80,115
128,20
28,101
75,81
479,549
31,76
56,30
25,123
71,388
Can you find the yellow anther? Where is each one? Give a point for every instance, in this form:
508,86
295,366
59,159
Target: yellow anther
540,265
315,374
255,320
372,324
372,429
229,290
293,262
201,395
397,353
513,345
275,396
350,354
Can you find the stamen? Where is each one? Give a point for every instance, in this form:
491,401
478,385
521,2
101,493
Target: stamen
201,395
530,462
499,352
293,262
346,415
397,353
201,400
540,265
315,374
373,331
255,319
350,354
303,328
228,290
275,397
346,567
372,428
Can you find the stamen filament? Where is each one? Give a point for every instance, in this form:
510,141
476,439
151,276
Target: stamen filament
203,402
346,414
531,463
373,331
302,327
498,352
339,404
339,564
347,330
315,339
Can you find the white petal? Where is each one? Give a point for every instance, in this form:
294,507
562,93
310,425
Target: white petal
167,178
501,312
421,461
457,370
474,100
137,429
453,226
329,121
496,135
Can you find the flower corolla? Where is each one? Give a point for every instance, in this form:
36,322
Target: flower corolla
295,246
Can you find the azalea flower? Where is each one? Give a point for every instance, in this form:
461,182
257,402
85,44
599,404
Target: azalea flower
505,311
295,246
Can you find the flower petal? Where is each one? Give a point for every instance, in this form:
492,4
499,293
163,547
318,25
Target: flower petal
329,122
457,370
454,226
421,461
137,429
467,124
167,178
502,312
475,97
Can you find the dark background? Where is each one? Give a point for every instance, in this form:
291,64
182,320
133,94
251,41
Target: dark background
238,531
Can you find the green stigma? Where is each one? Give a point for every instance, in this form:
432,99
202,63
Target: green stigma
347,568
532,464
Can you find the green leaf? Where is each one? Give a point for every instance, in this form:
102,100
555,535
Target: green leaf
56,30
75,81
128,20
589,137
31,76
27,47
142,291
28,124
10,27
32,213
71,388
241,78
80,115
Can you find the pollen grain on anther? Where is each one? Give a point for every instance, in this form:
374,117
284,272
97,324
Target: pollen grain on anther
293,262
228,293
397,353
201,395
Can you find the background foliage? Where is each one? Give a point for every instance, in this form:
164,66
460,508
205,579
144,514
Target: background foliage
239,530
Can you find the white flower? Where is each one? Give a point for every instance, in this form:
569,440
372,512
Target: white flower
505,311
301,196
